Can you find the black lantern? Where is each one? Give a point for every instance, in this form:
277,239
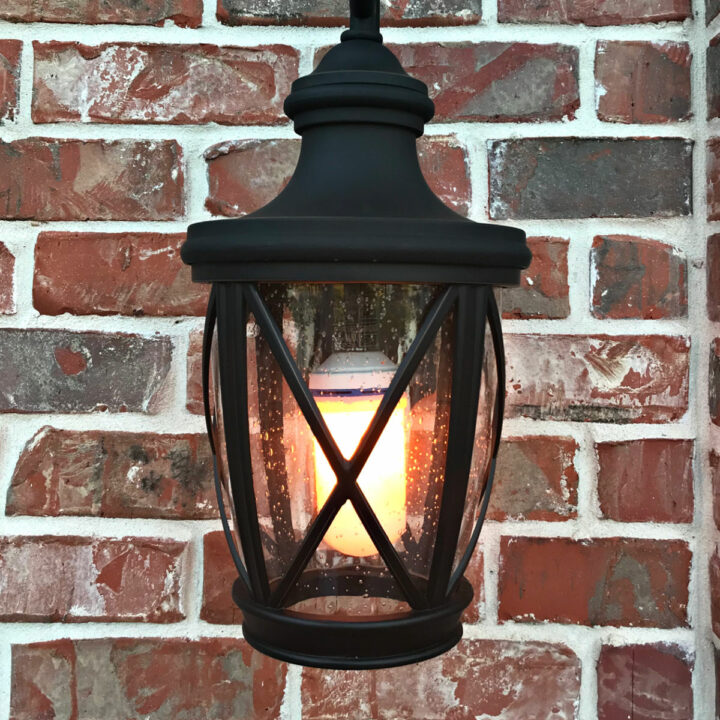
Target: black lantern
353,374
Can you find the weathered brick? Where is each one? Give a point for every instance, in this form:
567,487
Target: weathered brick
713,179
637,278
194,374
114,474
109,273
335,12
244,175
611,12
712,10
644,682
543,290
149,678
715,477
603,581
714,570
219,574
162,83
642,82
597,378
7,281
475,573
9,77
568,178
73,579
714,380
185,13
646,480
713,277
63,371
496,82
49,179
535,479
493,679
713,77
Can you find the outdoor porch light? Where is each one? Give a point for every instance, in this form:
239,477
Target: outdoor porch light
353,374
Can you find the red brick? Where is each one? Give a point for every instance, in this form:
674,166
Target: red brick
715,591
714,389
63,371
715,477
244,175
642,82
73,579
162,83
713,277
646,480
597,378
185,13
644,682
219,574
603,581
568,177
610,12
492,679
535,479
543,289
194,374
713,77
149,678
7,281
716,658
475,573
713,179
48,179
496,82
114,474
637,278
9,77
313,12
107,273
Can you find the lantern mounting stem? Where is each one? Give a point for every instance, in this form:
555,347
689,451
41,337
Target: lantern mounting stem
364,21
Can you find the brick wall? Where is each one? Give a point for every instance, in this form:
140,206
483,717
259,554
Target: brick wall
595,126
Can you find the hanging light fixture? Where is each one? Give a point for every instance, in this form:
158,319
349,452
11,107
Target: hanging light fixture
353,376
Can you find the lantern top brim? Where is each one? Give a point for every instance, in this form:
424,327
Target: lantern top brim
359,249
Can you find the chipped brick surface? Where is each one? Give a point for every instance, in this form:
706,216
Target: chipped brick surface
108,273
646,480
113,474
185,13
637,278
603,581
48,179
608,12
713,179
713,277
219,574
566,178
535,479
9,77
644,682
63,371
334,12
72,579
642,82
492,679
162,83
7,281
496,82
244,175
543,291
149,678
597,378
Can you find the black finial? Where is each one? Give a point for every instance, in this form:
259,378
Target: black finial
364,21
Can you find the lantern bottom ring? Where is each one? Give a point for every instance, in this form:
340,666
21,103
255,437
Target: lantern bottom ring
357,643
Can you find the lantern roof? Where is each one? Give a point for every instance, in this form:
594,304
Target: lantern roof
357,207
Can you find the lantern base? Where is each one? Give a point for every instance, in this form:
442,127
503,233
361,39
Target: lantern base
362,643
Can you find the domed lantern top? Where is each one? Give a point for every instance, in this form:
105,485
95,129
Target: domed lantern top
353,377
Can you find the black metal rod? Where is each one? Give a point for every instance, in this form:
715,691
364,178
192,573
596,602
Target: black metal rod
232,344
467,375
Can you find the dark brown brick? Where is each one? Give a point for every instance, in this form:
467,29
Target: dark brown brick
568,178
642,82
714,390
63,371
713,78
714,571
712,10
713,179
713,277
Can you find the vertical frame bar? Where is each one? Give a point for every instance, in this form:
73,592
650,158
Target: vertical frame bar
232,315
467,374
